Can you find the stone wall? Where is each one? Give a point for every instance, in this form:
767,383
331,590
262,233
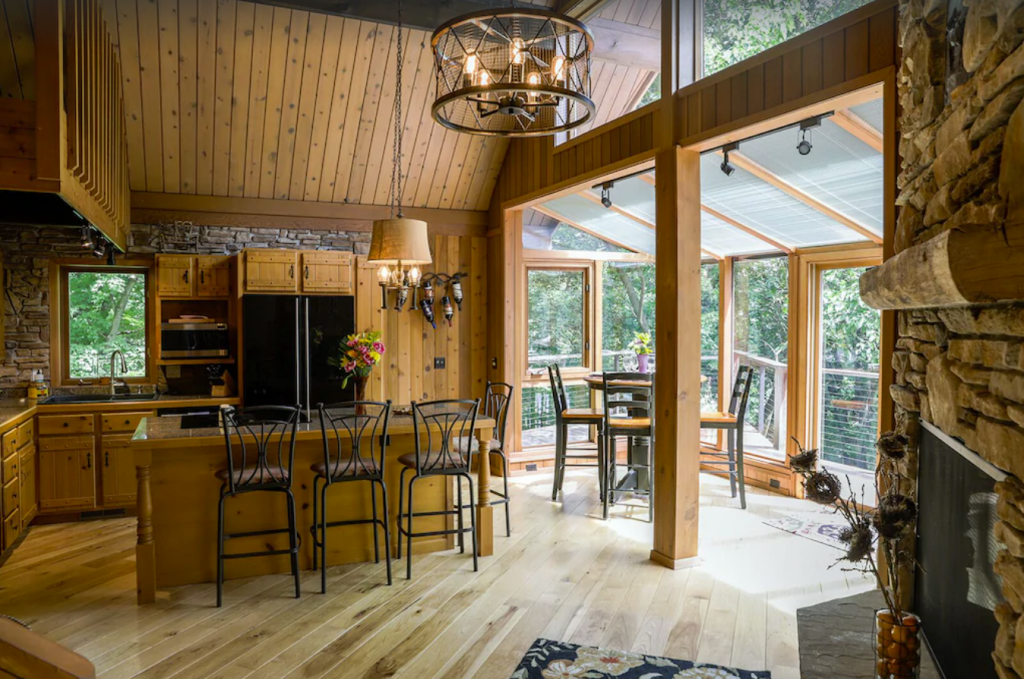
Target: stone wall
27,253
962,368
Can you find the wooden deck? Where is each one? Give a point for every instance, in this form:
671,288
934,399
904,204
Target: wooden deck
564,574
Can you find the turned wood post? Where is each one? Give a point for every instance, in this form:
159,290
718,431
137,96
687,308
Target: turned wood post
145,548
484,510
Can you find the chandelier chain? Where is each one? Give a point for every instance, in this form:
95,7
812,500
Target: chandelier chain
396,150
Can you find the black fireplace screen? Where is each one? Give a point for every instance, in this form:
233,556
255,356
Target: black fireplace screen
958,590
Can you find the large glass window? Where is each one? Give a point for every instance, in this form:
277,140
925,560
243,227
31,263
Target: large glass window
761,340
737,29
105,311
709,306
561,236
627,307
538,414
848,378
556,317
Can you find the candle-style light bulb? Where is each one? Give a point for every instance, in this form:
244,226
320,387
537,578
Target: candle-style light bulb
484,79
558,68
414,276
470,65
533,79
517,51
383,275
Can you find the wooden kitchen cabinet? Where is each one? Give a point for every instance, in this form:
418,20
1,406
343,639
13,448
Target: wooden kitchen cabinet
67,478
17,482
271,270
118,472
327,272
174,275
29,482
213,277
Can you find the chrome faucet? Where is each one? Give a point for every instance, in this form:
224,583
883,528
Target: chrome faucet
113,364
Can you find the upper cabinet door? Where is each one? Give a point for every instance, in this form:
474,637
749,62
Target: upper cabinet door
214,276
327,272
175,275
271,271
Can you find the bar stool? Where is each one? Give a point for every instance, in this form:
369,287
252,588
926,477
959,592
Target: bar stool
497,401
732,423
564,416
632,393
250,435
438,426
365,425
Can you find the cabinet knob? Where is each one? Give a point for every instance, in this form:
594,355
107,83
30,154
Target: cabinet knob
127,421
65,424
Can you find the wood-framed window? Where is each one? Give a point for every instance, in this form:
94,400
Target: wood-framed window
95,311
559,317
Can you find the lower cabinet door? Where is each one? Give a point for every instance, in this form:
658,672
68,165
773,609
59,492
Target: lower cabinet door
29,482
67,479
118,477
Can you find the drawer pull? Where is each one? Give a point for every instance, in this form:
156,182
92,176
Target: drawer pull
186,275
65,424
88,460
127,421
106,459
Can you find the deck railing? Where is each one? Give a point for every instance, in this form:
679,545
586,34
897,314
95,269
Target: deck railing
849,417
766,407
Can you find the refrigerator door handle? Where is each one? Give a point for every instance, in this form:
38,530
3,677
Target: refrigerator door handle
306,319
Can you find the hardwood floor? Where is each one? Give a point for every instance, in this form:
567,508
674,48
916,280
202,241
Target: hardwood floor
564,574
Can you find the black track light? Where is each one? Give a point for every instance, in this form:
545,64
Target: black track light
87,240
804,147
606,194
111,254
726,166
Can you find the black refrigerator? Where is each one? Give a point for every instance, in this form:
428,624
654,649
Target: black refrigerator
286,344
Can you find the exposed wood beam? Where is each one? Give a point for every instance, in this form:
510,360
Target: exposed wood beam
742,162
554,215
586,193
712,254
581,9
856,126
649,178
627,45
747,229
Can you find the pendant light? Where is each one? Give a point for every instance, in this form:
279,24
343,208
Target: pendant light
513,72
399,245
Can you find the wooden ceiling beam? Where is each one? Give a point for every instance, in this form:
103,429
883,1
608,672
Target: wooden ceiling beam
747,229
554,215
586,193
855,125
742,162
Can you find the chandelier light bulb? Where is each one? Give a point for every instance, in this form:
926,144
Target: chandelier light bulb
485,79
558,68
384,275
471,62
517,51
414,276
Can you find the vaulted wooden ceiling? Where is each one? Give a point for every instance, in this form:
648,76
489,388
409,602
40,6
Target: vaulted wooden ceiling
234,98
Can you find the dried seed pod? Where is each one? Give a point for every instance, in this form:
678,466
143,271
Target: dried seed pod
892,445
823,487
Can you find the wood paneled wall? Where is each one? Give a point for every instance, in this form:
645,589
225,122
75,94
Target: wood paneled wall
408,372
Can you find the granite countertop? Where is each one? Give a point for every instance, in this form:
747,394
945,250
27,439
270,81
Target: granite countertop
13,409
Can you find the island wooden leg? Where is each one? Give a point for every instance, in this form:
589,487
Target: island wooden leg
484,510
145,548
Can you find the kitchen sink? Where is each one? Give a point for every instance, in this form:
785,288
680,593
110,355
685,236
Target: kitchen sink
65,399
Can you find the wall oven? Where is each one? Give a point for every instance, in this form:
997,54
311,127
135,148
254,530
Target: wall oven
194,340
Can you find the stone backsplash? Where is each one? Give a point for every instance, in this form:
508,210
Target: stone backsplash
27,252
959,361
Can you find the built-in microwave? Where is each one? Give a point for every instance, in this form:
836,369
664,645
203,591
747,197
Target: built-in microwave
194,340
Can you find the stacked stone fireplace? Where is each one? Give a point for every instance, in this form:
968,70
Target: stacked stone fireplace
957,278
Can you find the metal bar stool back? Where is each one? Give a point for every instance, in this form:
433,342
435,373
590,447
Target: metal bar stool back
629,412
260,445
497,403
565,415
438,429
355,438
732,422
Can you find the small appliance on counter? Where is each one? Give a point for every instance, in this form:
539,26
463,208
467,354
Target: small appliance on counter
194,337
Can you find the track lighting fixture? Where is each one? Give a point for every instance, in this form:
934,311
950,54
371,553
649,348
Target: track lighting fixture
726,166
606,194
87,238
804,147
111,254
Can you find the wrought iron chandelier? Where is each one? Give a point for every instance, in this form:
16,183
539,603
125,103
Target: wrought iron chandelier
513,72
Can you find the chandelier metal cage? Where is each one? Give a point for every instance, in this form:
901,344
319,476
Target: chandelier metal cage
514,72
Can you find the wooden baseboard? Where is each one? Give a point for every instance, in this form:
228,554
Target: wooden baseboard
675,564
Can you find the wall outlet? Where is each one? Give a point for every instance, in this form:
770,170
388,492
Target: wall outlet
531,466
774,483
439,363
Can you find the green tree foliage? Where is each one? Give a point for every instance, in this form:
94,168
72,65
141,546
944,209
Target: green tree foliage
761,307
652,94
555,313
851,329
106,312
737,29
628,306
567,237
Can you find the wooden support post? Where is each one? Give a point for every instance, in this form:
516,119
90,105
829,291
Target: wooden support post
484,510
677,387
145,548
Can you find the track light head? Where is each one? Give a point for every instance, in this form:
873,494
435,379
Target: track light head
727,167
606,194
87,240
111,254
804,147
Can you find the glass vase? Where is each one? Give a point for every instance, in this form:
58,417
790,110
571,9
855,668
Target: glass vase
360,388
642,363
897,645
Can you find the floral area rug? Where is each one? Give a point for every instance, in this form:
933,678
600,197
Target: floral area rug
560,660
822,528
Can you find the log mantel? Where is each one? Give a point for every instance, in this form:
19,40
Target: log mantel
980,265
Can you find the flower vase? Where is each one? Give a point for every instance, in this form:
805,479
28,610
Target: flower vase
360,386
897,646
642,363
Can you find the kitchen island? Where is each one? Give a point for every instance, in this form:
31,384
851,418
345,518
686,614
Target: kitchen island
178,495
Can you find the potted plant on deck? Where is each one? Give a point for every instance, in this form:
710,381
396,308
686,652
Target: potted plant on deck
876,541
357,355
641,344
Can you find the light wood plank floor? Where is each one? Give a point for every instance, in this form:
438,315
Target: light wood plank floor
564,574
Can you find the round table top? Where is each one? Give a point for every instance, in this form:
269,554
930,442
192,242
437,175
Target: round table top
596,381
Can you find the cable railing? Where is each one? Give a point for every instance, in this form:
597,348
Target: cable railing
766,405
849,417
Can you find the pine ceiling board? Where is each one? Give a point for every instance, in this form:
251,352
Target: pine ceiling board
336,174
223,96
262,45
460,191
452,171
277,155
170,104
22,38
206,94
440,137
279,68
149,82
10,83
127,31
651,14
487,176
380,87
328,127
295,140
245,27
188,91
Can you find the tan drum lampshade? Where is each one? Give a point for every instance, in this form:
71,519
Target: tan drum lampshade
400,240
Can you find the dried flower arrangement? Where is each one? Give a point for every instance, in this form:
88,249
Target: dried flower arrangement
892,522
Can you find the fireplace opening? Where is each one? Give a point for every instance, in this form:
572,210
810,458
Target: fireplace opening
956,590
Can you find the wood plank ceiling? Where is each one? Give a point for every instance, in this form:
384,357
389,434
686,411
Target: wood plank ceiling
232,98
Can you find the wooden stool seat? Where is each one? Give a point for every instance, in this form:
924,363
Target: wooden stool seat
629,422
710,418
582,414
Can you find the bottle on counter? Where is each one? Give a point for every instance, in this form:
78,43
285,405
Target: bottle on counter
38,388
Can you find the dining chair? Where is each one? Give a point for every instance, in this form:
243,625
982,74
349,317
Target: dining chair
438,426
629,412
566,415
363,425
260,443
732,422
